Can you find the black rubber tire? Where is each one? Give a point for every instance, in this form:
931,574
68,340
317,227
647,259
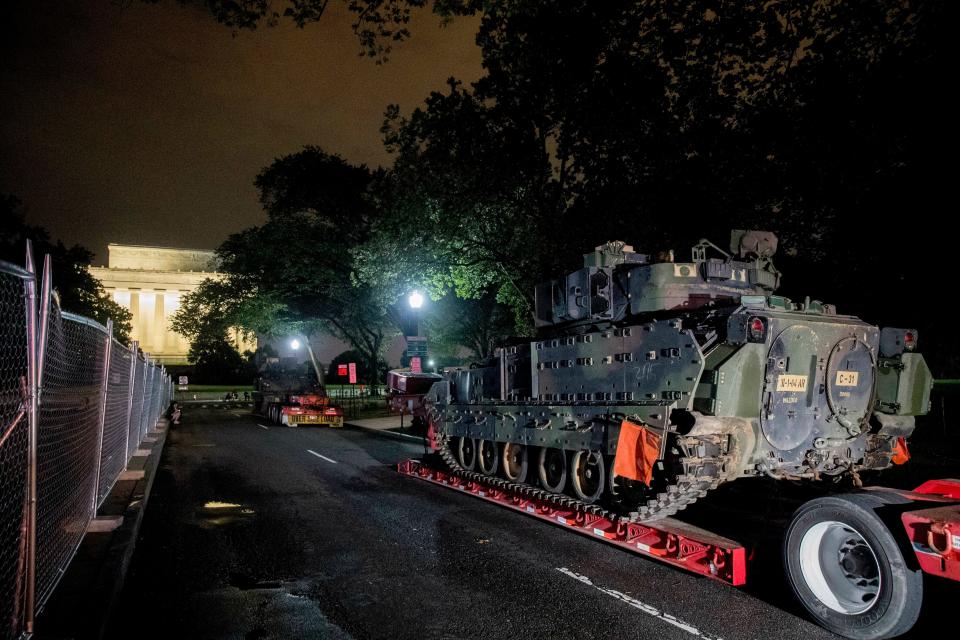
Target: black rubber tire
557,456
897,603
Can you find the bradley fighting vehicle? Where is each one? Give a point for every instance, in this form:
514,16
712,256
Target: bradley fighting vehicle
653,381
286,393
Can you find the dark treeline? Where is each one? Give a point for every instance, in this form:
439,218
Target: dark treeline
656,123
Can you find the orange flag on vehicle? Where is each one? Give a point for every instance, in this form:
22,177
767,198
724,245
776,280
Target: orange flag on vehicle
638,450
900,452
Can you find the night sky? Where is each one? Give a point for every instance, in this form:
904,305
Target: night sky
146,124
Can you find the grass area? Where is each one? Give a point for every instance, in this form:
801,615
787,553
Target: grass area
217,388
946,383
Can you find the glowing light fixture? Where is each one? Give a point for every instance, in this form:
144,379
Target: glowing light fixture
415,300
294,344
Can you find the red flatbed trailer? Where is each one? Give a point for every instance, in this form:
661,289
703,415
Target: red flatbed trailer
669,540
930,522
406,391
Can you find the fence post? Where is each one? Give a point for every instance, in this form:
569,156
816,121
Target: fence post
38,347
134,347
30,497
103,416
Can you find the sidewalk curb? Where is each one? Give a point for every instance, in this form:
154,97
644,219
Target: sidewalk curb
386,434
83,604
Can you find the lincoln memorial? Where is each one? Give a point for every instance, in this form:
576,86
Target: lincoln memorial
150,281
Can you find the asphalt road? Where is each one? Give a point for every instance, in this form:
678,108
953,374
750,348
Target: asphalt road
269,532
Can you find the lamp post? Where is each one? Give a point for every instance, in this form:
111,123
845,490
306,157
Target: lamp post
416,347
295,344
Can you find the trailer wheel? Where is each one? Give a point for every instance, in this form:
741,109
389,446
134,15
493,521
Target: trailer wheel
847,569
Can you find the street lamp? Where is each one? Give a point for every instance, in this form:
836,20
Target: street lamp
415,300
295,345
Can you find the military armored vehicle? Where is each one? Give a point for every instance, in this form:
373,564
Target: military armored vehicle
654,380
288,393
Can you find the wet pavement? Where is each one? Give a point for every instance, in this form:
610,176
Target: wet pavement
255,531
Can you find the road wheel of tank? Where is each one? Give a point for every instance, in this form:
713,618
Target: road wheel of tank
587,475
467,453
487,457
552,467
514,462
847,568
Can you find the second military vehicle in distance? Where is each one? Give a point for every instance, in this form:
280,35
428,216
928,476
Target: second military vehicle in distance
286,392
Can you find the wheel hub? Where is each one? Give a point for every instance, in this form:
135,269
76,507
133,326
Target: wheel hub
840,567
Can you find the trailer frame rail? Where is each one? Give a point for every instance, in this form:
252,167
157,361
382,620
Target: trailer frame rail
670,541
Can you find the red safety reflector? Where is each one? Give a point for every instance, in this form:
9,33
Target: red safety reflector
909,340
757,328
638,450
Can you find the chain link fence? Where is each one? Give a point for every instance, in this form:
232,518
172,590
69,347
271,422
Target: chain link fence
71,373
136,400
75,405
14,444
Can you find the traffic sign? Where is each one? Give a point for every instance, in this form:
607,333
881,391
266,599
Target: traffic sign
416,346
183,380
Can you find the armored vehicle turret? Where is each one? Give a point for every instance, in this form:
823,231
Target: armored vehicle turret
653,381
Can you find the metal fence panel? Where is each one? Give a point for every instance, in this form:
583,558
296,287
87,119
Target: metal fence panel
139,379
113,453
68,441
14,442
147,399
151,415
80,402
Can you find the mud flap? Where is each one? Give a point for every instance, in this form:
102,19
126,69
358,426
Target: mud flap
638,449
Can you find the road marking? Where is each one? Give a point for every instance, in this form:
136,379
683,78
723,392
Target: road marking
263,427
642,606
320,456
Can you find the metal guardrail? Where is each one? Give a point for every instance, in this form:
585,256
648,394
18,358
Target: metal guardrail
75,405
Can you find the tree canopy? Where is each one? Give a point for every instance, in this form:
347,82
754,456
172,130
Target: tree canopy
293,274
659,123
653,122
